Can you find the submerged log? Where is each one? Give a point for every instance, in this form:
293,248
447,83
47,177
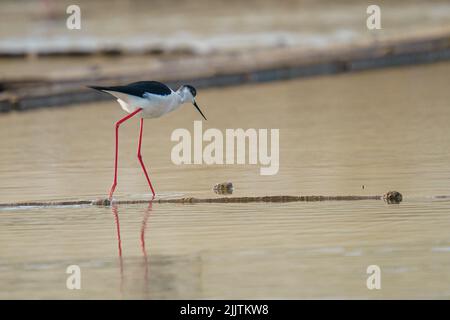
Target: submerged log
389,197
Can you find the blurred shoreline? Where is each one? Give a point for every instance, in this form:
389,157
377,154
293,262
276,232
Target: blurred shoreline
44,90
38,28
206,43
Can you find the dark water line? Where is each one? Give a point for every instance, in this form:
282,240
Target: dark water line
106,202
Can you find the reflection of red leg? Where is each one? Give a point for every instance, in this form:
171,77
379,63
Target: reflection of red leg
119,243
140,157
144,227
144,250
116,219
118,123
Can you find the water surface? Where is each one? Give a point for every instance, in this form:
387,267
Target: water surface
384,129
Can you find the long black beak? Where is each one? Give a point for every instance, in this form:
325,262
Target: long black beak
196,106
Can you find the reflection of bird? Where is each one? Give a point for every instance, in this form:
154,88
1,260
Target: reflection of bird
115,212
151,99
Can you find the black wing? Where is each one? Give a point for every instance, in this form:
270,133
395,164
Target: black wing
139,88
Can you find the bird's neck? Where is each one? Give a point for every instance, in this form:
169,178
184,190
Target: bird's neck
183,96
175,101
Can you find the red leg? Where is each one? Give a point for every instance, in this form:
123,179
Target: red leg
118,123
140,157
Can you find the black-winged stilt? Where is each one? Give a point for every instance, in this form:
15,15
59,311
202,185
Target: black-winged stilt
151,99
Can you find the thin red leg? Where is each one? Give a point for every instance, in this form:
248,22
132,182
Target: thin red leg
140,157
118,123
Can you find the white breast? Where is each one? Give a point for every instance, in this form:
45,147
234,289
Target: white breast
153,105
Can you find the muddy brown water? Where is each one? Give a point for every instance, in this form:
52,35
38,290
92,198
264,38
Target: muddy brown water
384,129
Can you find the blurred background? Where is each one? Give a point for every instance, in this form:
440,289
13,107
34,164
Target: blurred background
202,27
173,29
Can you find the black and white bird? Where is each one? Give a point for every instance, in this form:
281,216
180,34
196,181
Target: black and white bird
150,99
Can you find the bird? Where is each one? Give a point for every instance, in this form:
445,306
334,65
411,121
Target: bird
149,99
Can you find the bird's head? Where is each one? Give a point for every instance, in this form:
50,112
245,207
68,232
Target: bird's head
188,93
